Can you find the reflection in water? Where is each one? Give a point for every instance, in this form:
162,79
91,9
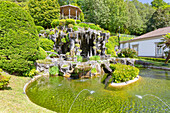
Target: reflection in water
116,100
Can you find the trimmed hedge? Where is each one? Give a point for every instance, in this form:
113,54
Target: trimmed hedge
46,44
18,38
154,59
78,21
123,73
70,21
55,23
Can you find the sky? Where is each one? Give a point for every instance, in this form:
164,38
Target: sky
149,1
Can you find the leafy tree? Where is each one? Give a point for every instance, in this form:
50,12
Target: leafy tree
159,19
44,11
158,3
18,38
134,23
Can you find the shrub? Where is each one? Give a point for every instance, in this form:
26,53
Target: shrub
70,21
18,38
62,22
44,11
95,58
53,55
128,53
46,44
55,23
153,59
63,40
70,26
78,21
42,54
93,70
79,58
39,28
75,28
47,31
77,45
86,26
54,70
51,33
4,80
45,61
42,31
31,73
95,27
123,73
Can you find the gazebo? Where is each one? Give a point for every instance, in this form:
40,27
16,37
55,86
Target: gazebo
70,11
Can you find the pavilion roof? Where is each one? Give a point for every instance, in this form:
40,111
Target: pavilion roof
73,9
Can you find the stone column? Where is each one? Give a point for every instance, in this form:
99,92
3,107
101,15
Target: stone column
69,13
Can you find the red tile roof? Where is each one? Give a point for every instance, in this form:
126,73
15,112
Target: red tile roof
157,32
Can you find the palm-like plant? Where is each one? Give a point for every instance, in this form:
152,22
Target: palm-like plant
166,42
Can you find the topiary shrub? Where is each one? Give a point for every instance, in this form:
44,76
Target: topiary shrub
75,28
86,26
4,80
70,21
70,26
46,44
39,28
18,38
55,23
95,27
54,70
123,73
62,22
42,54
78,21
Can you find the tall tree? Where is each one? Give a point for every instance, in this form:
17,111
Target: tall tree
158,3
134,23
44,11
159,19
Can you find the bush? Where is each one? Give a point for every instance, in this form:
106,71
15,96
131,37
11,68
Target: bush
95,27
86,26
31,73
62,22
46,44
70,26
45,61
39,28
42,54
78,21
70,21
54,70
75,28
154,59
93,70
123,73
63,40
95,58
4,80
128,53
18,38
79,58
53,55
55,23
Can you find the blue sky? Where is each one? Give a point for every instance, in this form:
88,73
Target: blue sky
149,1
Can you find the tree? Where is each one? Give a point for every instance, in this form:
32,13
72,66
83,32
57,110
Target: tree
18,38
166,41
159,19
44,11
134,23
158,3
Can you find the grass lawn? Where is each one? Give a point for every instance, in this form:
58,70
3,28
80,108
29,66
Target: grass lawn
12,100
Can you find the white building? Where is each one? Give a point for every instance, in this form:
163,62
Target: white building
147,45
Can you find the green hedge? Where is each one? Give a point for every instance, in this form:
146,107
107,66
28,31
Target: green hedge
46,44
18,38
95,27
70,21
62,22
154,59
123,73
4,80
55,23
78,21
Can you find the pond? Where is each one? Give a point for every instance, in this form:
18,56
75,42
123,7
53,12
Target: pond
150,94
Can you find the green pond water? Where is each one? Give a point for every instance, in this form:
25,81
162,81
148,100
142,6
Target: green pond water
58,94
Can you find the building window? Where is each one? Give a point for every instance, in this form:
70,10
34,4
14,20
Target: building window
159,50
135,47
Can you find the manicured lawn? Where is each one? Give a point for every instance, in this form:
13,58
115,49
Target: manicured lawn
12,99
